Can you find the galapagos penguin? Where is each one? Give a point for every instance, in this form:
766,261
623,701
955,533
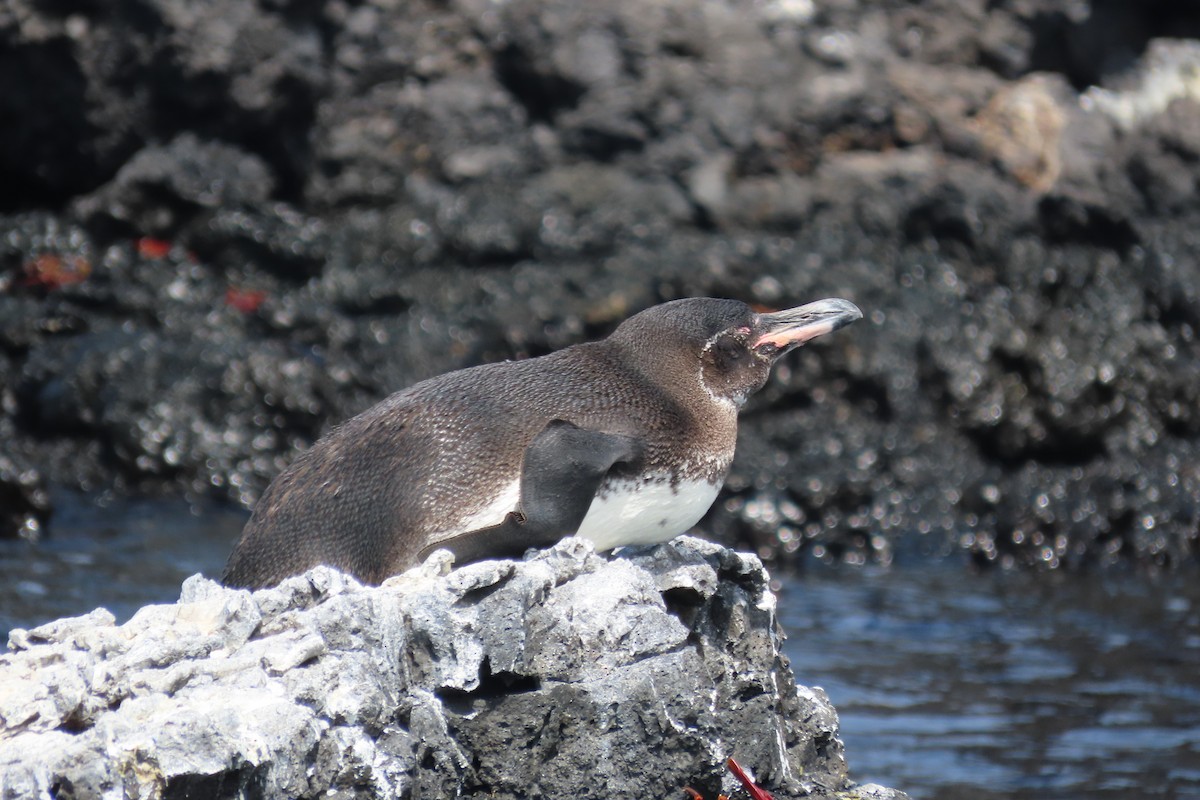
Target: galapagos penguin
623,441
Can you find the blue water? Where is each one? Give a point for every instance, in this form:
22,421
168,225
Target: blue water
116,553
955,685
949,684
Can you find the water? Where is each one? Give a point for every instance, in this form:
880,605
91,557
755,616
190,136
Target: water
121,555
949,684
953,685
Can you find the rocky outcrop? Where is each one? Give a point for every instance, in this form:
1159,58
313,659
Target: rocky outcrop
564,675
226,226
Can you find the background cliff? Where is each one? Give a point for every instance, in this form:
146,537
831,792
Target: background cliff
226,225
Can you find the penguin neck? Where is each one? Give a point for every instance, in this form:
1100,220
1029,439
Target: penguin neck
676,375
708,423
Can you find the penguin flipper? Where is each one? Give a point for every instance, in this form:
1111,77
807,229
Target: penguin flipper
562,469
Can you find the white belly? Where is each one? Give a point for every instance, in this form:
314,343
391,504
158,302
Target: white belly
655,513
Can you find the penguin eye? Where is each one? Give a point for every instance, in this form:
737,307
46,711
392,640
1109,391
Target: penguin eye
728,352
731,369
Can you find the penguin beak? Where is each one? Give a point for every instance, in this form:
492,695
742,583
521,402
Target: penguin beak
781,331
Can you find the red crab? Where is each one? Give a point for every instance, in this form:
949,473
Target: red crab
52,271
755,791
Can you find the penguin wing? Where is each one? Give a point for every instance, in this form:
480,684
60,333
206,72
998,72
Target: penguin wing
562,469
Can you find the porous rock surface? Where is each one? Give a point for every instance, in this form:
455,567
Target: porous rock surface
226,226
564,675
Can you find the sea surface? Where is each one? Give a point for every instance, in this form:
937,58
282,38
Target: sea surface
1007,685
950,684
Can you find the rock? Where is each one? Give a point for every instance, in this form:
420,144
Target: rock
1169,71
158,190
24,501
1021,127
563,675
100,82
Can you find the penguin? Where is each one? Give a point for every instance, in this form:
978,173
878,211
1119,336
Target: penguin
623,441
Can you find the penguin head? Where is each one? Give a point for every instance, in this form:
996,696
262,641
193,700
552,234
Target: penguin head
735,345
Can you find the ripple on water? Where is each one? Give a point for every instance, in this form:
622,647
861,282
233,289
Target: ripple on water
994,686
121,556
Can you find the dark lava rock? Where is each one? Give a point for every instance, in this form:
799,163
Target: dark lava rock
161,189
231,226
24,500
